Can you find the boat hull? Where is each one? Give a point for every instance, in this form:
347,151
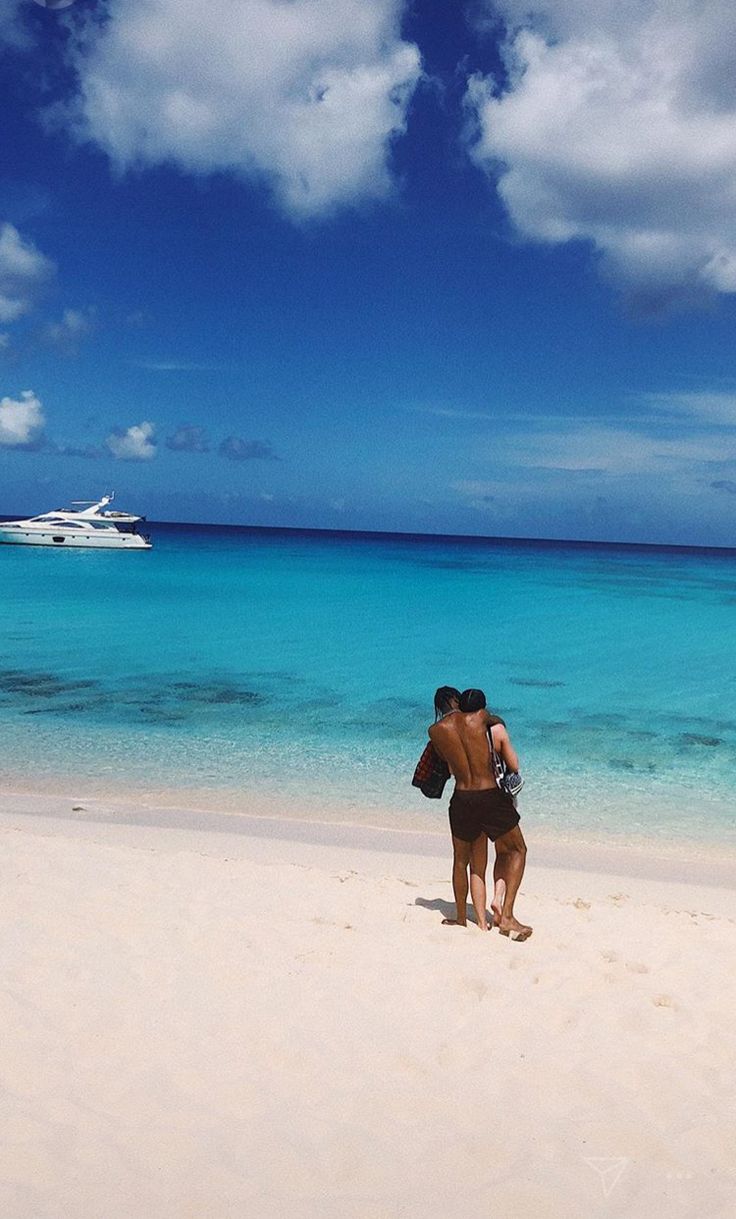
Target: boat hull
121,541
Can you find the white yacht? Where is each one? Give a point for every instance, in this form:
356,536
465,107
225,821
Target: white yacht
86,523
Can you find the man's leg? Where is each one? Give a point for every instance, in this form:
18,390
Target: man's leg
507,873
460,861
478,865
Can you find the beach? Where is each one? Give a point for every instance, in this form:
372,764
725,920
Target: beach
227,987
271,1020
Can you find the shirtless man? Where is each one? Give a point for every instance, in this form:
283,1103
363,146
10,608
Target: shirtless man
480,810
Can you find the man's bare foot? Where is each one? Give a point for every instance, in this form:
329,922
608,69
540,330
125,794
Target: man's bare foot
454,922
514,929
499,897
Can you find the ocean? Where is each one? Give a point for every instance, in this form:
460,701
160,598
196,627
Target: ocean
250,670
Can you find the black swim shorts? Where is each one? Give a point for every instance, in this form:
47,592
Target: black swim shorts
490,812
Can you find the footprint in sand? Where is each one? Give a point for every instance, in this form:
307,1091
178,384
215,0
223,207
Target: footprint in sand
410,1065
609,955
579,904
663,1001
476,987
637,967
618,899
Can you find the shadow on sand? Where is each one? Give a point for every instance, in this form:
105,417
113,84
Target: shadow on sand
447,909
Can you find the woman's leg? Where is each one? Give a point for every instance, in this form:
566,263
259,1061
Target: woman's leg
478,865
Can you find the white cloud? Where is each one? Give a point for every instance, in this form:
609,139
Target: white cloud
306,94
24,272
618,126
701,405
74,325
674,439
21,421
450,412
12,30
135,444
175,366
609,449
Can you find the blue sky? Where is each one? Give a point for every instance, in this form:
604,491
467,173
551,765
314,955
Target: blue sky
370,264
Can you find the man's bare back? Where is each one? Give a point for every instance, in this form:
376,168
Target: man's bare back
462,740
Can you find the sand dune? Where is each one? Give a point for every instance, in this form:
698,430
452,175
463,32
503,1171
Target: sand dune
212,1025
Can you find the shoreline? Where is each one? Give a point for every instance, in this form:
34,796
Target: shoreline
655,859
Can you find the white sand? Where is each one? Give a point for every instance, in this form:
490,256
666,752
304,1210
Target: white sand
218,1026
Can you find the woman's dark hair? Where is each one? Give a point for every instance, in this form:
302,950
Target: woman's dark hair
443,700
472,700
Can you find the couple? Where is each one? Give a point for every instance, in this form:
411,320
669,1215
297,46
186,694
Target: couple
479,809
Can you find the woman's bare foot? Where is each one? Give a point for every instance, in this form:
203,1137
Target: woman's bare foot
454,922
499,897
514,929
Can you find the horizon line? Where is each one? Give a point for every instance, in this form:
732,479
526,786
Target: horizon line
446,537
451,537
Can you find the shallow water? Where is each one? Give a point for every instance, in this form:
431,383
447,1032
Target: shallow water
233,660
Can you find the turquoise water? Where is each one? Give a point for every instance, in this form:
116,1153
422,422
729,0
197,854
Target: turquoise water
236,665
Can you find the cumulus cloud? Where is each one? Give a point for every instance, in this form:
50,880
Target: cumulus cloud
306,95
21,421
24,272
237,449
188,439
73,326
616,124
136,443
